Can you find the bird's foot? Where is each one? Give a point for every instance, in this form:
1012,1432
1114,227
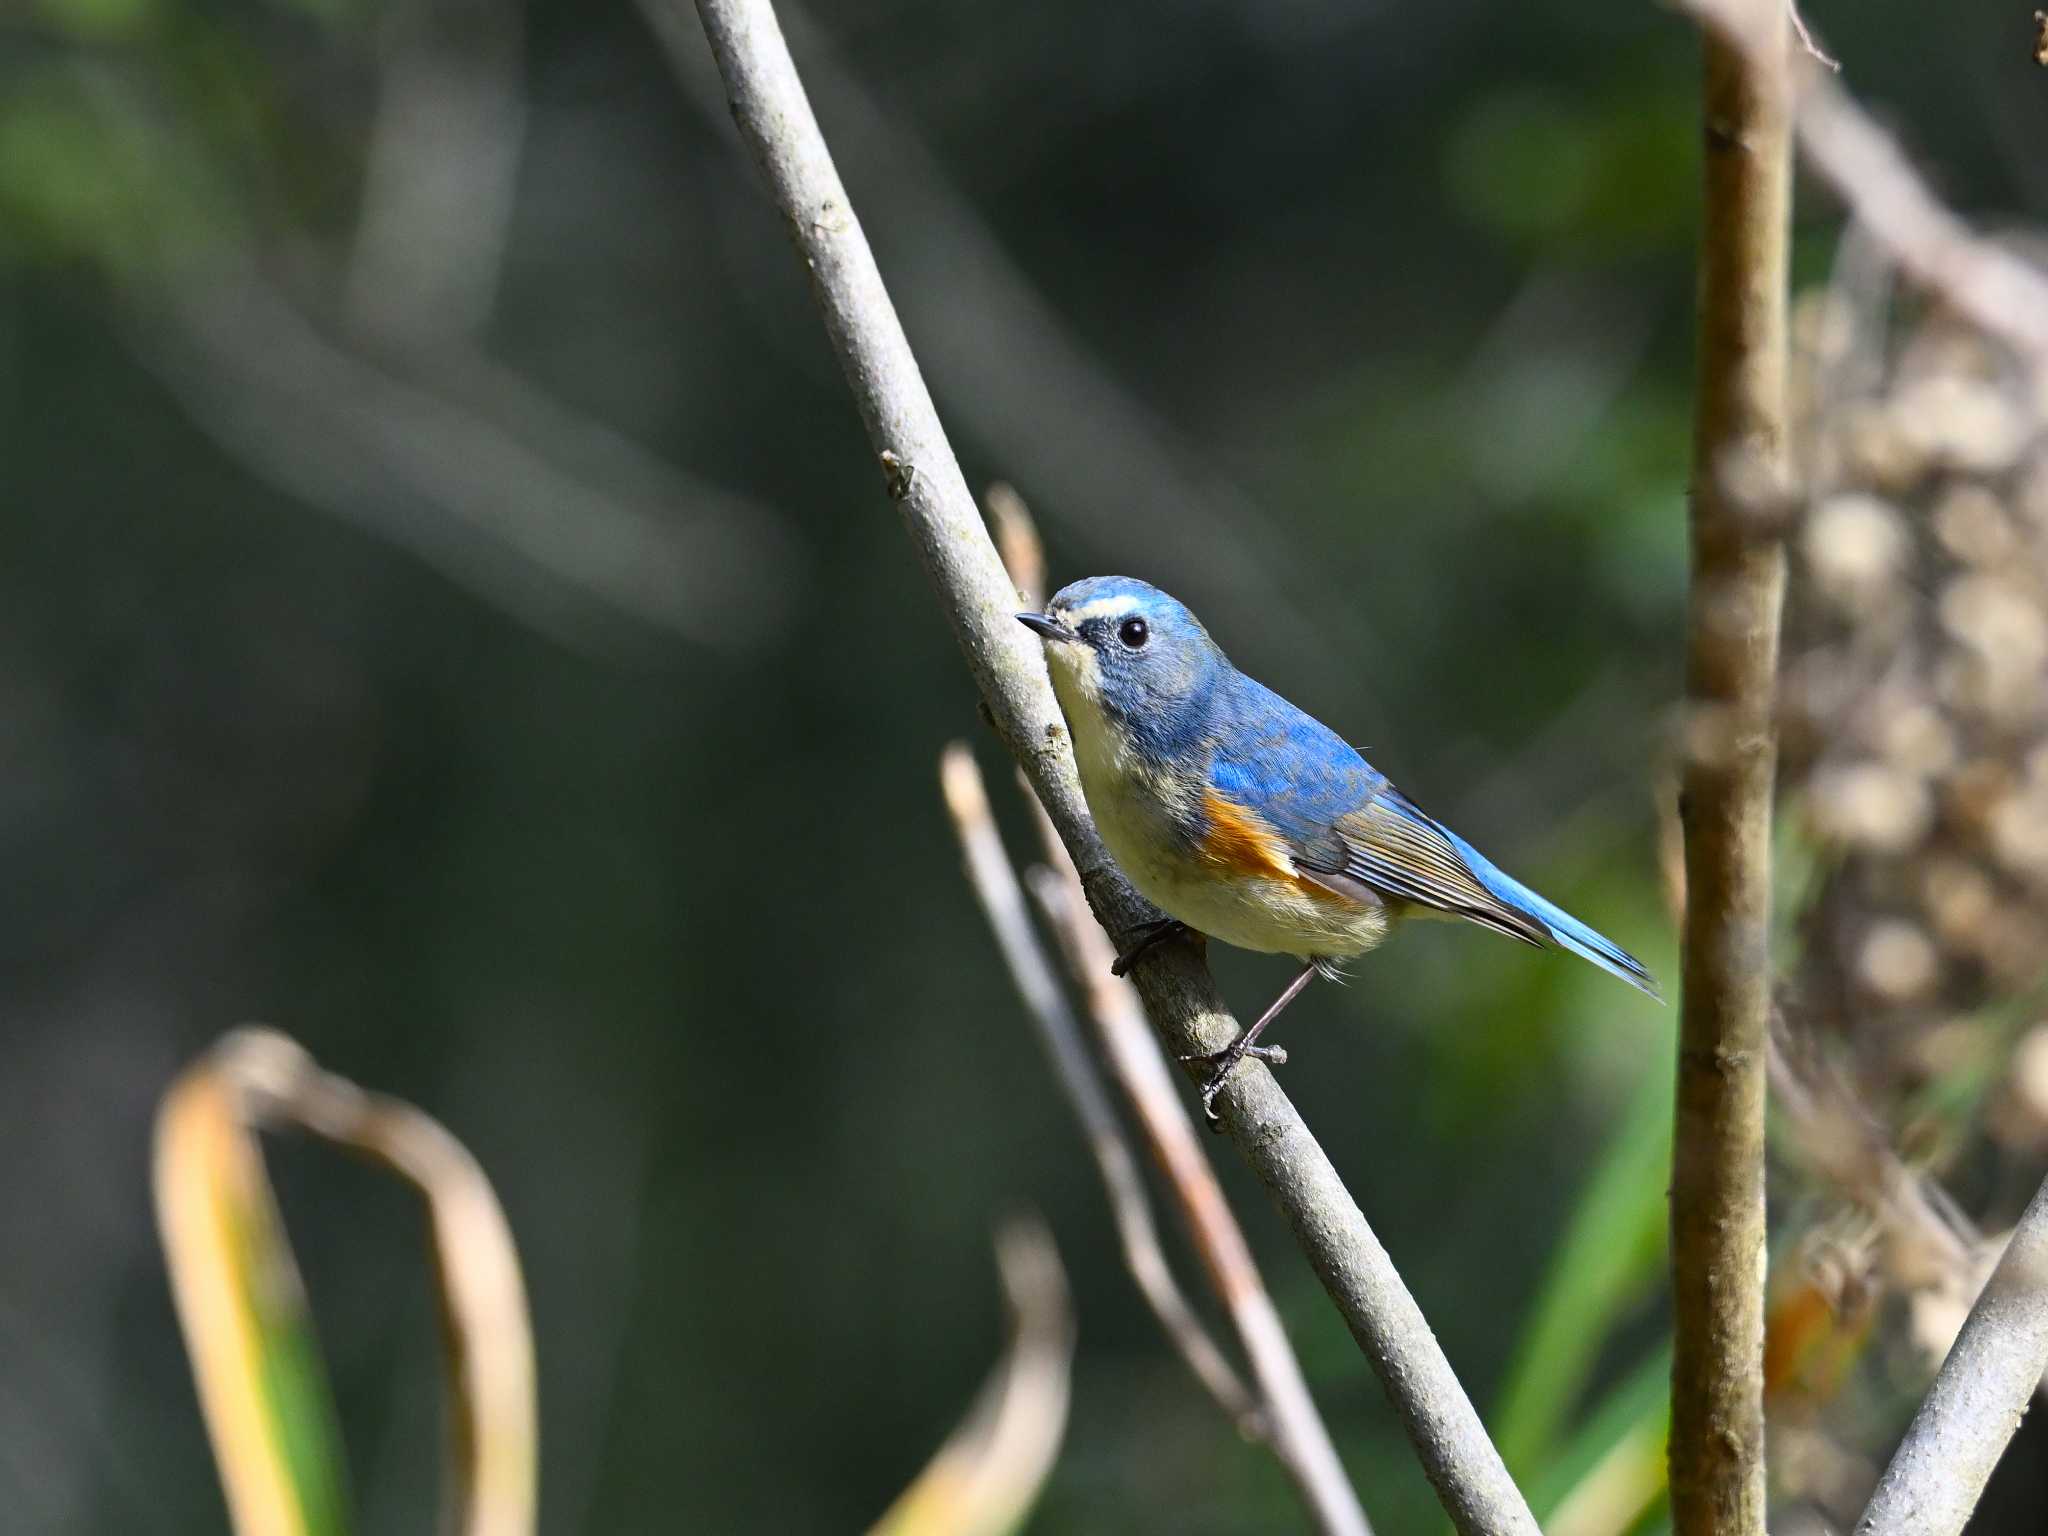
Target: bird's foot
1149,935
1222,1063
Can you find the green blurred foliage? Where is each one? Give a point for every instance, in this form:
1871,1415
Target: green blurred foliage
1609,1260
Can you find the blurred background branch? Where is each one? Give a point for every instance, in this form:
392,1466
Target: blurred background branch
564,523
445,146
985,1478
243,1309
355,379
1996,289
1045,1004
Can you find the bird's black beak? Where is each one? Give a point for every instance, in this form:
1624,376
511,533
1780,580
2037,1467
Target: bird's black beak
1048,628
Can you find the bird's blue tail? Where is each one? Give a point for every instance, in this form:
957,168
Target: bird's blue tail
1567,931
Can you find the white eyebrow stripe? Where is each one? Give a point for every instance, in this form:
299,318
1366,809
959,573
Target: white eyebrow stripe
1107,607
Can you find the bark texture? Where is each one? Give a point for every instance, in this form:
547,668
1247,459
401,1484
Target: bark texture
1939,1471
1738,578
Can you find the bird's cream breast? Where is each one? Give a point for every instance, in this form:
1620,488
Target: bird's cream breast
1137,808
1143,811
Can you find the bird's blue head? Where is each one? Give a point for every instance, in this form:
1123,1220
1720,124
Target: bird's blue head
1125,655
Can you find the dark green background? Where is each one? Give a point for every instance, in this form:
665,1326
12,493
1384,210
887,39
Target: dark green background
669,926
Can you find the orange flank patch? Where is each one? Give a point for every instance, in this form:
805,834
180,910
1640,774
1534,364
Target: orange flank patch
1240,841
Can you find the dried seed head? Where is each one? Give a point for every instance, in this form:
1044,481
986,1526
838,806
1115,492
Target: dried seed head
1960,422
1896,963
1871,805
1999,619
1957,898
2013,944
1973,528
1913,716
2028,1080
1864,446
1976,790
2019,834
1856,548
1915,738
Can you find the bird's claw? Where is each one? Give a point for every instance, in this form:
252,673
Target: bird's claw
1221,1064
1149,935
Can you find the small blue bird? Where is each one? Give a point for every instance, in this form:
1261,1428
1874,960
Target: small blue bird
1242,818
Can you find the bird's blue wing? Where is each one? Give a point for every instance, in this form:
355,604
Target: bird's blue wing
1343,818
1349,826
1290,769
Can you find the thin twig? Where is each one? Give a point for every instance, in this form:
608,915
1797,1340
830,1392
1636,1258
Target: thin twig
1045,1003
1017,542
1814,51
1939,1471
921,474
1738,579
1288,1420
1295,1427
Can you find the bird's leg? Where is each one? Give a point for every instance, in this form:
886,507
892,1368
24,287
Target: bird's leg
1149,935
1247,1044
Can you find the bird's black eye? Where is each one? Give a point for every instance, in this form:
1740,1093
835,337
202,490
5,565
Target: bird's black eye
1133,633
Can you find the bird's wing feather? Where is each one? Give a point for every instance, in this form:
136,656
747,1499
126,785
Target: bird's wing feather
1349,830
1392,846
1342,819
1295,772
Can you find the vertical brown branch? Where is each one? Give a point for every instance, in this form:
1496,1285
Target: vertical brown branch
1738,576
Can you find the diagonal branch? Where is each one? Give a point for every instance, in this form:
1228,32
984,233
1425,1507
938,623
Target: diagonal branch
1019,379
919,469
1939,1470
